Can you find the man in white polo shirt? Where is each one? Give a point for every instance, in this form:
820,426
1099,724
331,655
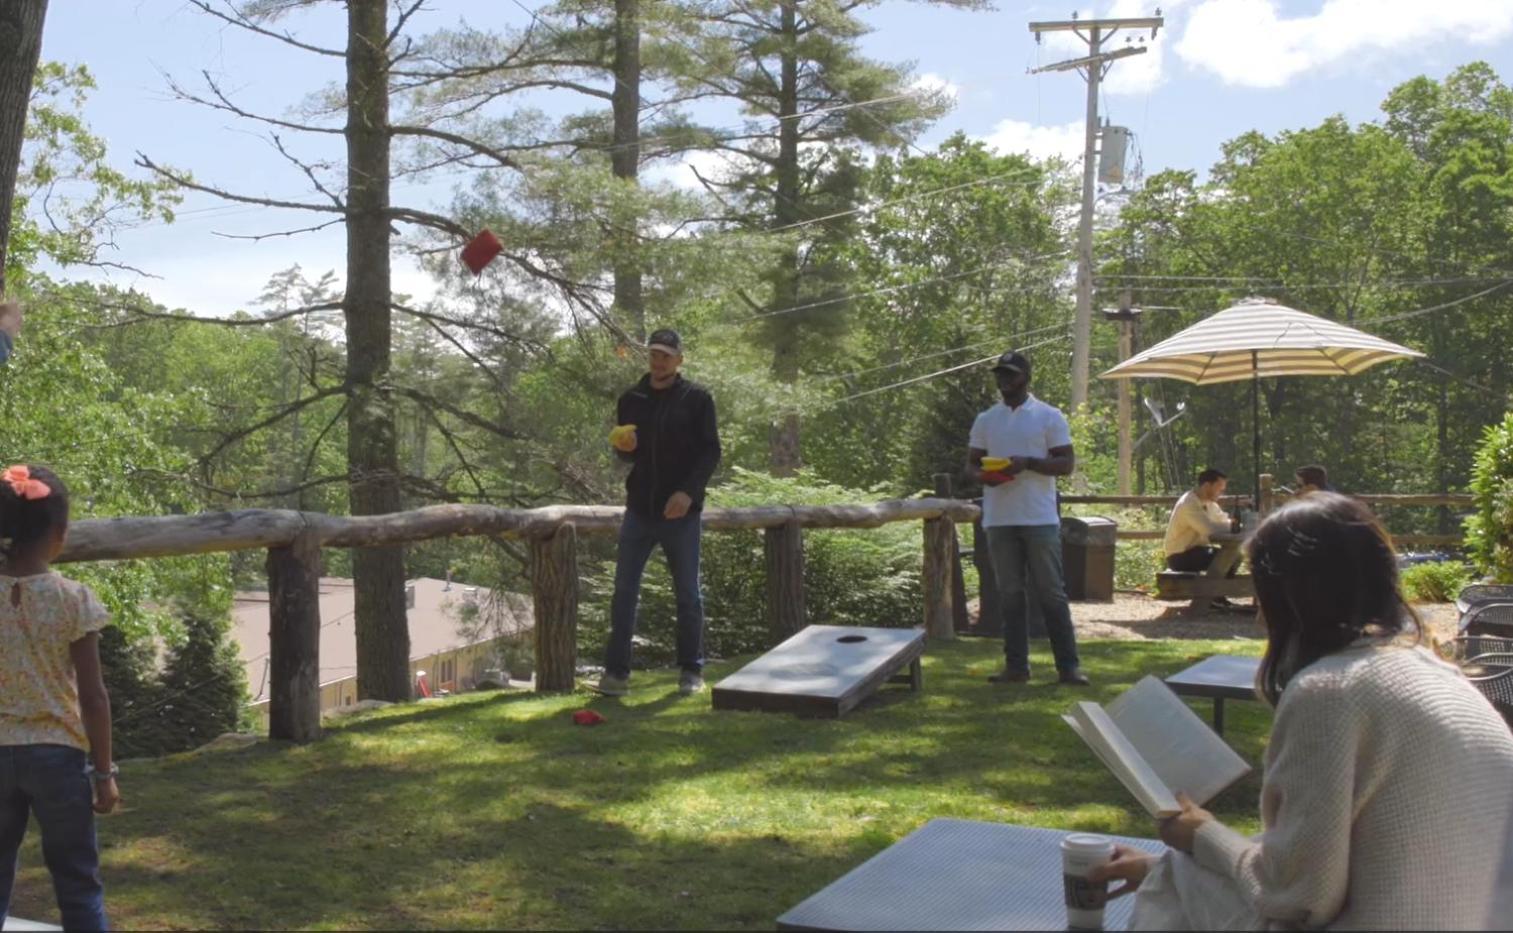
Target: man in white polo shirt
1020,516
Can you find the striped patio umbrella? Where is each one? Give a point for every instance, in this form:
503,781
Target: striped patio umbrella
1255,338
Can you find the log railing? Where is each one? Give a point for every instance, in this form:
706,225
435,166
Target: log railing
1271,499
293,541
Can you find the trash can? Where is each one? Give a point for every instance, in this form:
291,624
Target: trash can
1087,557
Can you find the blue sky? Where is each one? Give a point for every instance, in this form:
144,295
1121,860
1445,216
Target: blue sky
1219,68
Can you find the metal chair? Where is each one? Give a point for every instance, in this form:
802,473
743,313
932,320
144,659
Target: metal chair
1481,593
1494,618
1490,669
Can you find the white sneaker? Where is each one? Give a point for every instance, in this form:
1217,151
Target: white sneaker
690,683
611,686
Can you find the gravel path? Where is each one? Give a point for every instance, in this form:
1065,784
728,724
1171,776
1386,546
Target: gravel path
1135,616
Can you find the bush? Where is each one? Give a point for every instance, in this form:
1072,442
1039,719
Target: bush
1489,532
1435,582
864,577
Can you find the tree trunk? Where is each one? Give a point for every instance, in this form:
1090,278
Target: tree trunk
783,439
554,590
20,48
625,157
294,640
383,637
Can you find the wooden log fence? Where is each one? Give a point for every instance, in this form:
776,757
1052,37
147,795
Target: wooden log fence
293,541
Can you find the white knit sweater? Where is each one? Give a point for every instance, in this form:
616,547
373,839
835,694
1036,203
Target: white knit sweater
1386,803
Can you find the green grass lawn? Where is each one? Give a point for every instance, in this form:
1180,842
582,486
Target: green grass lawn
494,810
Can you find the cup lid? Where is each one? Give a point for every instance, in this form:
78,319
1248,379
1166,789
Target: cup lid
1086,842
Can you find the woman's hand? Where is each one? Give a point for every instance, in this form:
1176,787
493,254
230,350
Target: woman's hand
1128,865
1179,831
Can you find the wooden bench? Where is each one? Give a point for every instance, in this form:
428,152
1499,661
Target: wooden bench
1176,585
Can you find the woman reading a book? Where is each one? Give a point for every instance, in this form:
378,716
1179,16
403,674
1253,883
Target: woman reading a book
1387,795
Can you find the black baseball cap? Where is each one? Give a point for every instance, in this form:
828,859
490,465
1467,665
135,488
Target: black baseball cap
666,340
1013,360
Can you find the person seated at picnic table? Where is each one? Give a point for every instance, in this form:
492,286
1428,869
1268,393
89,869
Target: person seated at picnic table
1386,796
1196,518
1310,479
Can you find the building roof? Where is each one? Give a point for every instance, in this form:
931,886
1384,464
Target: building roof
433,617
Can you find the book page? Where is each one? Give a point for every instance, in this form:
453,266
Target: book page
1178,746
1122,758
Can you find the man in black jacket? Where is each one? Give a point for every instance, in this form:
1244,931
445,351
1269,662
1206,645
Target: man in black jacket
667,430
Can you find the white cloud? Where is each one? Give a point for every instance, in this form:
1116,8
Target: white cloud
929,82
681,174
1041,142
1251,43
1138,74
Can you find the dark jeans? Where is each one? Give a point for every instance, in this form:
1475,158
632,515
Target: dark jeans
1027,562
679,538
1196,560
49,781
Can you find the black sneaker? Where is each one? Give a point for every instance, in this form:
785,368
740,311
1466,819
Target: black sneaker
1007,676
1074,677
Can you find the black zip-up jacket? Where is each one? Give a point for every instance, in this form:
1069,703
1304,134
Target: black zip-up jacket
677,444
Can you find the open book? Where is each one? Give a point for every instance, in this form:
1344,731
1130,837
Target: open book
1156,746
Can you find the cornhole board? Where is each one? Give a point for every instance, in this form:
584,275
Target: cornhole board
824,670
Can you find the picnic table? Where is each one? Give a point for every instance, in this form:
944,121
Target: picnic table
1221,677
956,875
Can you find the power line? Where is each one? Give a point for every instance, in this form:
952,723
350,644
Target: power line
931,356
941,372
891,289
1440,307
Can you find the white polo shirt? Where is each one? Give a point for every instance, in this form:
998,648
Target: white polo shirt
1030,430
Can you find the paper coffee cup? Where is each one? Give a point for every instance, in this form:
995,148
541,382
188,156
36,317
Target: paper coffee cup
1080,854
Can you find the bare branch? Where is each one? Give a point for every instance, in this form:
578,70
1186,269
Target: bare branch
223,103
142,316
476,421
255,237
243,21
309,171
401,20
435,318
185,182
455,139
291,409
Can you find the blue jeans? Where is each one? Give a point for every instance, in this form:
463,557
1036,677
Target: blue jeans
49,780
1027,562
679,538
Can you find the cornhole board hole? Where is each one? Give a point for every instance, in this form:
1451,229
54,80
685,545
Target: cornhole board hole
824,670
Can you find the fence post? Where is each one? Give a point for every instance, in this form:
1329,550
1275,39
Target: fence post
959,618
783,548
940,554
554,592
294,640
1268,497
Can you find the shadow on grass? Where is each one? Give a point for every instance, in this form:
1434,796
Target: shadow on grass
497,811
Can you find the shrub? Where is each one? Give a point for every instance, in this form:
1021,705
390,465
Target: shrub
864,577
1489,532
1435,582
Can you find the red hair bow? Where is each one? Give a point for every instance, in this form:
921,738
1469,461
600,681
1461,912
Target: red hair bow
21,482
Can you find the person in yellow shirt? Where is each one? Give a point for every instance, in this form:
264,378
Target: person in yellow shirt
1196,518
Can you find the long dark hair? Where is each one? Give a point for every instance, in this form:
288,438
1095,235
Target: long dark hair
1325,575
25,518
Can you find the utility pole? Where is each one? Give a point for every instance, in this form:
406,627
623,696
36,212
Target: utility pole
1095,32
1128,318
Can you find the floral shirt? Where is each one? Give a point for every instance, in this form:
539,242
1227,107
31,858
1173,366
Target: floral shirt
40,616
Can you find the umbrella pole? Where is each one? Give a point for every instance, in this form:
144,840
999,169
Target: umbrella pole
1255,426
